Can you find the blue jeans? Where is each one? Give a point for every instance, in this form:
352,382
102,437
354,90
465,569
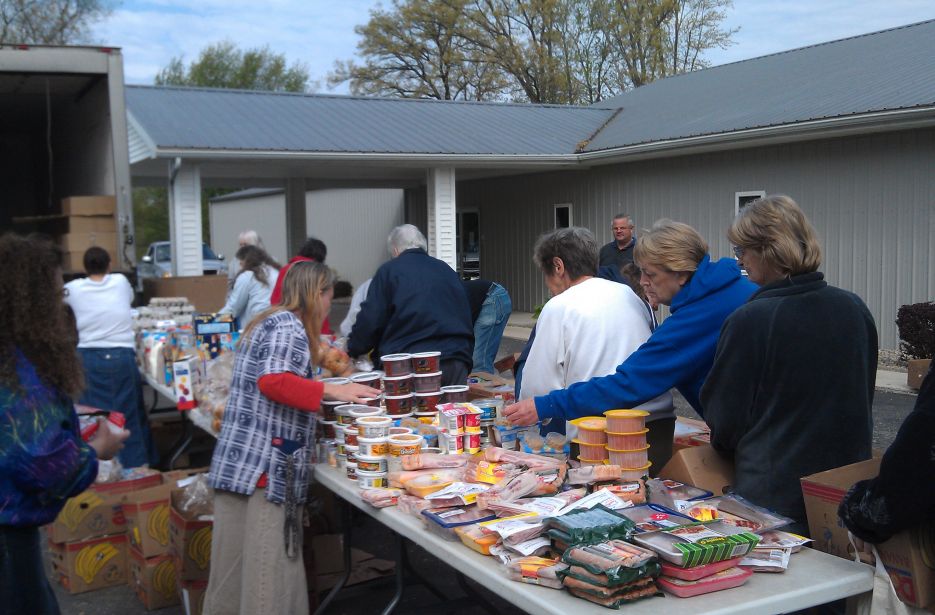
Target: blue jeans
112,382
488,329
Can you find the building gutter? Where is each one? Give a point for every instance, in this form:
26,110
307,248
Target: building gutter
386,158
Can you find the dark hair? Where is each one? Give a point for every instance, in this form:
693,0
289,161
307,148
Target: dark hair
631,273
96,260
576,247
33,317
256,259
314,249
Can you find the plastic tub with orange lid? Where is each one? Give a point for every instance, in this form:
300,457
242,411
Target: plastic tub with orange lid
627,441
591,429
629,459
625,421
592,452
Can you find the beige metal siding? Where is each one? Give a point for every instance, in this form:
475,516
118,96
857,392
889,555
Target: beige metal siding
264,214
872,199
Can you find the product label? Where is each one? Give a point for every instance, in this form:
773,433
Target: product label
528,547
604,497
508,526
450,513
466,492
696,533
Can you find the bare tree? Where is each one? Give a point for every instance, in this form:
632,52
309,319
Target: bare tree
49,22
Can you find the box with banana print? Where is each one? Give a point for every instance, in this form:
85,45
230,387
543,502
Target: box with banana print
90,564
153,580
189,541
147,514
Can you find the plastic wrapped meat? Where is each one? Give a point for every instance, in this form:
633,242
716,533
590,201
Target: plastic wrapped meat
642,588
509,489
586,475
381,498
430,461
515,457
537,570
608,557
412,505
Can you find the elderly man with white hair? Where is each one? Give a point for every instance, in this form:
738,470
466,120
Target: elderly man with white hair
415,303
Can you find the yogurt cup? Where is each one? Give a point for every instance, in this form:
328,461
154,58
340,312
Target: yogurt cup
371,464
343,414
397,405
397,385
370,379
371,480
351,470
404,444
359,411
456,393
350,435
339,433
426,362
336,380
398,431
426,383
373,402
490,408
371,447
351,452
328,408
374,426
399,364
327,428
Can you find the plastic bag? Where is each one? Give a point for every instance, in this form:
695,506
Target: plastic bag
611,563
198,498
381,498
586,475
643,588
537,571
590,525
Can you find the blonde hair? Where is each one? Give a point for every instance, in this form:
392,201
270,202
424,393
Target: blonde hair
302,287
776,227
672,245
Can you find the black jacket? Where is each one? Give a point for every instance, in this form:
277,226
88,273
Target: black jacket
415,303
791,389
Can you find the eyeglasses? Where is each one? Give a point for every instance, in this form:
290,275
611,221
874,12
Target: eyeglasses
738,252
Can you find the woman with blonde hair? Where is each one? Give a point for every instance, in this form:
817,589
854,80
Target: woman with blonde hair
676,271
791,389
260,469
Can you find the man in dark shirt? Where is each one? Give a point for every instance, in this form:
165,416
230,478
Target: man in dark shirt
490,310
619,252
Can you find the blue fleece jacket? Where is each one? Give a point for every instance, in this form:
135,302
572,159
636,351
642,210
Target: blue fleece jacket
678,354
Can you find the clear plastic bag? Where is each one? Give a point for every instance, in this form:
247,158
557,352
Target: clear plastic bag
198,498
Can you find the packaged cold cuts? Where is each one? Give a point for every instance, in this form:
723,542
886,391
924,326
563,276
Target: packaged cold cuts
726,579
537,571
691,545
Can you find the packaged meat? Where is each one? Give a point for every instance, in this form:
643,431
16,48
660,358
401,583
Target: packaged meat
400,479
602,591
427,484
479,470
591,525
622,577
412,505
653,517
620,561
643,589
698,572
514,486
530,460
634,492
593,474
735,510
726,579
766,560
692,545
381,498
671,492
537,571
777,539
539,546
432,461
516,529
603,497
456,494
443,521
474,537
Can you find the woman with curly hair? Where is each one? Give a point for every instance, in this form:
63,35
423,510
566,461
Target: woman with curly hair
43,460
253,285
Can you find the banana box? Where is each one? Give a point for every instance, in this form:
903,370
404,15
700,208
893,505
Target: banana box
147,514
87,515
90,564
153,580
189,541
193,596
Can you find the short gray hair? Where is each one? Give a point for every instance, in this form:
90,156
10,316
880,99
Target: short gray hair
250,238
576,247
405,237
624,216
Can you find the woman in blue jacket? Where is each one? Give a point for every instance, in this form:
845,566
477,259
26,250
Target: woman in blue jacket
676,271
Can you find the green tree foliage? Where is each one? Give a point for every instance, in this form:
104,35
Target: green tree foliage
220,65
543,51
49,22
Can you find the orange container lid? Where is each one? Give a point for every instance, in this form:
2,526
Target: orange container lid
601,461
645,467
628,433
626,414
577,441
627,450
590,423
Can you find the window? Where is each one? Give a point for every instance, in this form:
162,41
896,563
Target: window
742,199
563,215
163,253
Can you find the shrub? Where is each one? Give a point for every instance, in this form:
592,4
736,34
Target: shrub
916,325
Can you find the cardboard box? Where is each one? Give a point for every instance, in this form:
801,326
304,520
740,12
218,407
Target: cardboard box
147,514
89,206
701,466
189,541
147,478
91,224
154,580
74,261
690,432
482,385
80,242
192,594
909,557
206,292
91,564
918,368
87,515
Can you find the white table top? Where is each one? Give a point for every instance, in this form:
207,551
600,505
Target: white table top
160,388
813,577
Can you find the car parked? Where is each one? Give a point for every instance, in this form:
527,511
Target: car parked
157,262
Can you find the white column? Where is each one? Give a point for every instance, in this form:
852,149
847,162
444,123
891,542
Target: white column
185,218
441,215
296,223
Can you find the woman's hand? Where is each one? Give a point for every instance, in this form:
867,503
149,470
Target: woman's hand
107,443
352,393
522,413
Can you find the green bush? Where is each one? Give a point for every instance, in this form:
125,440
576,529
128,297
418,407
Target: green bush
916,325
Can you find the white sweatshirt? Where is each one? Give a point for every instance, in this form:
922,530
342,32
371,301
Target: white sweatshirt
102,310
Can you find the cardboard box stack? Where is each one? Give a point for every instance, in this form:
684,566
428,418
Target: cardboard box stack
152,570
190,548
909,557
91,221
88,540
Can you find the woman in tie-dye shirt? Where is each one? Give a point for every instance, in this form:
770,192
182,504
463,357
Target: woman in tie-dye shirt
43,460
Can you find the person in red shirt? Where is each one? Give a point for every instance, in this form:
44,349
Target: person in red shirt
314,250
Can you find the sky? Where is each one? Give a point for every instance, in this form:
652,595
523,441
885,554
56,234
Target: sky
319,32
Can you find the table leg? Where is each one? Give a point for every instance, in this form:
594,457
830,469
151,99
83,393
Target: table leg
401,565
474,595
403,562
347,520
184,441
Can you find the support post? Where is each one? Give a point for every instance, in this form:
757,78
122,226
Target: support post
442,216
296,223
185,218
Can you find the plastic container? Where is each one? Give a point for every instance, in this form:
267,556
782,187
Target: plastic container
405,444
350,435
426,402
556,441
454,394
429,435
592,452
373,402
627,441
592,462
427,383
374,426
397,405
372,447
328,407
726,579
426,362
629,459
591,429
360,411
475,538
367,463
397,385
350,469
535,442
398,431
370,480
351,452
625,421
490,408
652,517
451,444
426,418
698,572
338,433
635,473
327,428
471,443
370,379
336,380
408,421
443,521
343,414
399,364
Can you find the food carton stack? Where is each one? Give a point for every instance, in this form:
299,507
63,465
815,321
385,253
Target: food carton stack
191,524
90,222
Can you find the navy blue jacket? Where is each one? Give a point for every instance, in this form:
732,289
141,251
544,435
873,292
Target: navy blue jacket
416,303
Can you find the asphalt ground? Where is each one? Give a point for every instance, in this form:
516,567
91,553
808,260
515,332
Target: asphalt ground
889,410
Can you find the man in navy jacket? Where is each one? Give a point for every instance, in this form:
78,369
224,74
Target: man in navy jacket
416,303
